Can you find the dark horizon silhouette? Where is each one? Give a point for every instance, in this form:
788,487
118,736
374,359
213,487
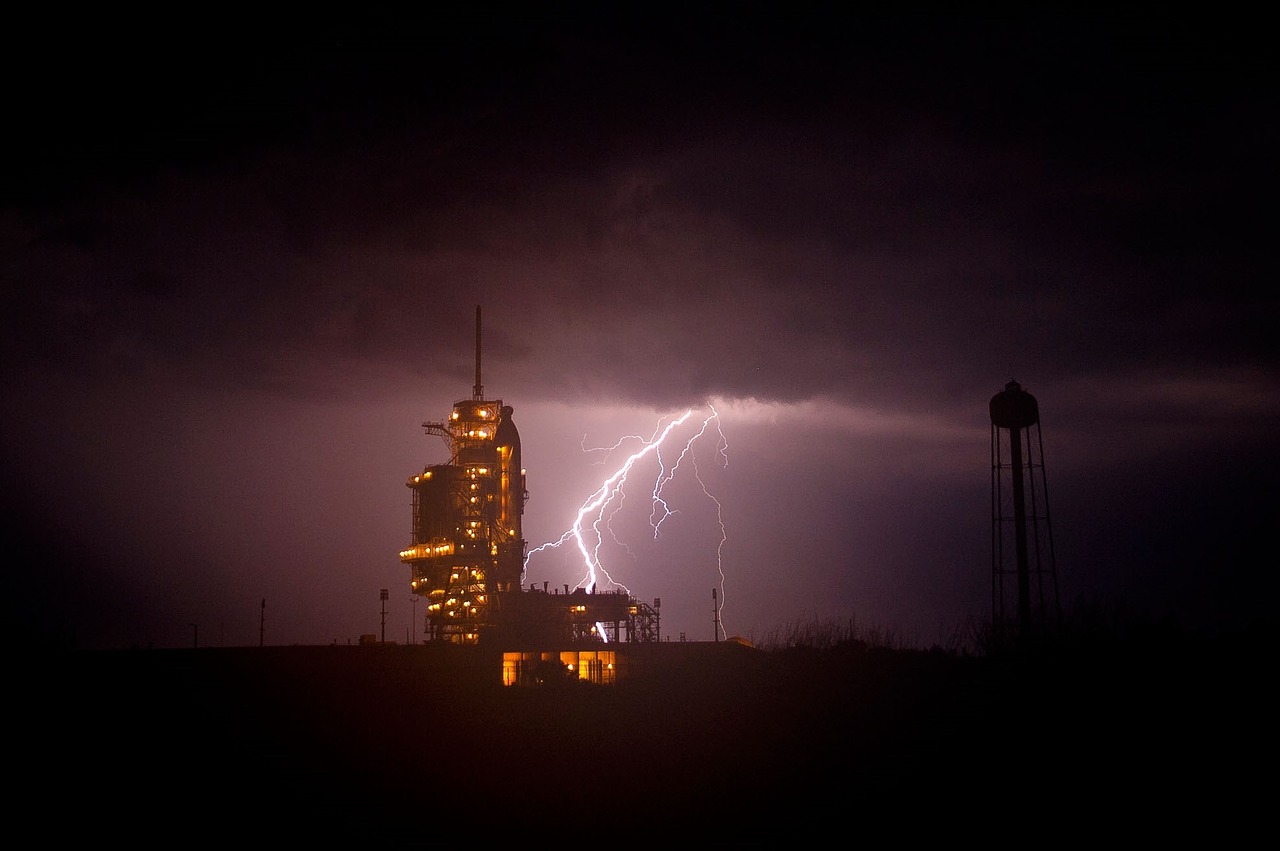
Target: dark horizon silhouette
1143,730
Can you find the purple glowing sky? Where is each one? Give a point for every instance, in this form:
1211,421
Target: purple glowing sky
236,284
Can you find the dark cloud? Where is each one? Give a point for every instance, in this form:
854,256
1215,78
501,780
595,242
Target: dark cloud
218,257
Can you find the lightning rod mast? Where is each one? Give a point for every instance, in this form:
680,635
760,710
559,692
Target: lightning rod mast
477,392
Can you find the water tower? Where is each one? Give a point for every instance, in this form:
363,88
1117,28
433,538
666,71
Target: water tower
1024,582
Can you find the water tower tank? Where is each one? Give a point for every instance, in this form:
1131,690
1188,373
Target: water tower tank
1014,408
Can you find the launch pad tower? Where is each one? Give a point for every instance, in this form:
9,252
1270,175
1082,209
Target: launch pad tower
467,544
467,553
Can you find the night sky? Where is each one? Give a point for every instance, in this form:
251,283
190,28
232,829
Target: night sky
239,274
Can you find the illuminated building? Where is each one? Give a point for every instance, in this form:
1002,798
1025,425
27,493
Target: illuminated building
467,554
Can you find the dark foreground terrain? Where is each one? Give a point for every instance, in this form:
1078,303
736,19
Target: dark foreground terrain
1164,736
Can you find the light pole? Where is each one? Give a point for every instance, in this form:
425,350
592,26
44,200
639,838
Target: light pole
383,597
414,600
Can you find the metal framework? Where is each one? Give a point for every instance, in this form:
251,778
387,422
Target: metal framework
1024,580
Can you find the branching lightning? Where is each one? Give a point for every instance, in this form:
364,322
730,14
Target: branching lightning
592,525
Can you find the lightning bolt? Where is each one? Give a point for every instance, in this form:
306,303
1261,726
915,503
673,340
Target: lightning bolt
592,525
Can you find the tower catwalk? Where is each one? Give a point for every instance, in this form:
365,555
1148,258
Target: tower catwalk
1024,582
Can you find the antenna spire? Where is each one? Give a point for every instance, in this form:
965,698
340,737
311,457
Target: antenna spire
478,390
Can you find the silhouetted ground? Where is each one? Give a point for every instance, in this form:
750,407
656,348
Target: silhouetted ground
1162,736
